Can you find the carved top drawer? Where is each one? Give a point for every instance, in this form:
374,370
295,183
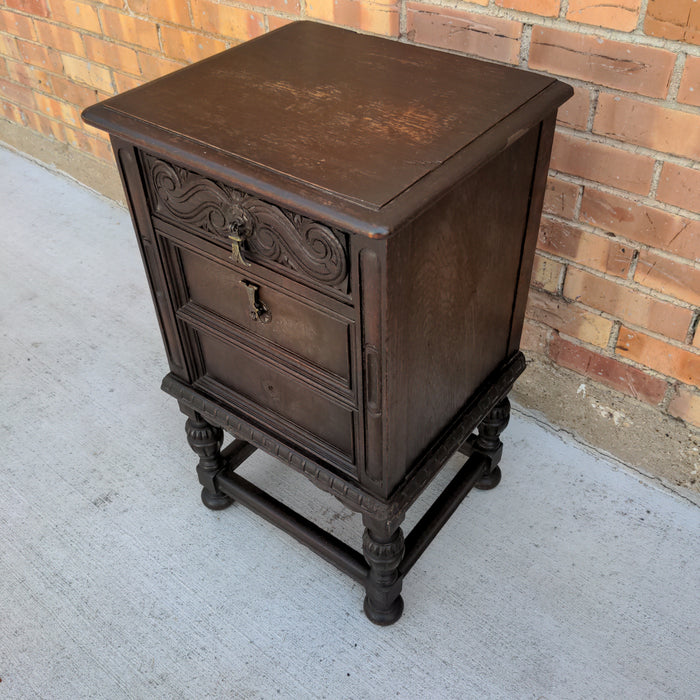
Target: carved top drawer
256,231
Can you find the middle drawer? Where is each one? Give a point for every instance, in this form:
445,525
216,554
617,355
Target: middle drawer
306,338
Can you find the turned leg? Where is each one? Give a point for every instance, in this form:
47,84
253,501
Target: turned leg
383,551
488,443
205,439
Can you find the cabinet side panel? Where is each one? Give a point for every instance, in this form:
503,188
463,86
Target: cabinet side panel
452,276
527,258
135,196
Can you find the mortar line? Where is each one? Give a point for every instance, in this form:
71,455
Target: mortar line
591,30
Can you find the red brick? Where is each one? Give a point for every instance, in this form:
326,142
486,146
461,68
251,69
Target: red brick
102,150
602,163
46,126
599,252
627,304
40,56
686,405
188,46
78,139
93,132
89,144
671,360
76,94
9,47
679,186
546,274
17,94
88,74
231,22
607,370
568,318
130,30
17,25
58,109
174,11
12,112
639,222
277,22
668,276
689,89
673,19
547,8
125,82
32,7
560,198
112,55
534,338
622,14
29,75
488,37
60,38
650,125
289,6
375,16
155,66
574,112
631,67
76,14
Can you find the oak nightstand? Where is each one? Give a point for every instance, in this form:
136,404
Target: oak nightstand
338,231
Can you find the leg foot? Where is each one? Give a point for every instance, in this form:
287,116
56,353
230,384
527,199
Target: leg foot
489,443
383,552
215,501
205,439
489,481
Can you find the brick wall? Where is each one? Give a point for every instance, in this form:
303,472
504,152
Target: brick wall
616,290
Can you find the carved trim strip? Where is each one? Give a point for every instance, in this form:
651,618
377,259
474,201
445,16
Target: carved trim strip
127,162
354,497
266,233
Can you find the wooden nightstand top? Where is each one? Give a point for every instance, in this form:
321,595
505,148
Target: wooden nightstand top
313,108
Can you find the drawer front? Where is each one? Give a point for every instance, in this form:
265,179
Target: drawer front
300,334
276,400
255,231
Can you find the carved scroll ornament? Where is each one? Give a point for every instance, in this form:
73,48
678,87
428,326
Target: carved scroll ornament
257,230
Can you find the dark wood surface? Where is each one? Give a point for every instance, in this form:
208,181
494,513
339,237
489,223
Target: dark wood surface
263,184
457,287
345,112
356,128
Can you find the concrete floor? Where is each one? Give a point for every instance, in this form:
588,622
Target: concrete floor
573,579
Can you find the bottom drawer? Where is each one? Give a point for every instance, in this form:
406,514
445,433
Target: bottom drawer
277,401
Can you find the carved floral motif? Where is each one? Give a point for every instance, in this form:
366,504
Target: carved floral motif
264,232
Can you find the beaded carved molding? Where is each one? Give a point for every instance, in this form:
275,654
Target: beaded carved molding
264,233
350,494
